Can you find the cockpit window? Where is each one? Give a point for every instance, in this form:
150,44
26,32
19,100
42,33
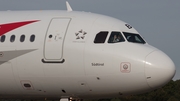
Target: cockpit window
101,37
116,37
135,38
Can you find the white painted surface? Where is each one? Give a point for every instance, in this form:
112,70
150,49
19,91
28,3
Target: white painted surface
77,77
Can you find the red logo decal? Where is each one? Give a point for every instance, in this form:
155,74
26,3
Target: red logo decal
125,67
4,28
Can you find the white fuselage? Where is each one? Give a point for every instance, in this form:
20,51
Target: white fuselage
63,60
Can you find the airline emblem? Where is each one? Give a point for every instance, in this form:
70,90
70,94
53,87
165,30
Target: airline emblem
125,67
80,34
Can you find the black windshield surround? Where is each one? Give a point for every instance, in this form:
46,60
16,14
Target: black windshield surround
135,38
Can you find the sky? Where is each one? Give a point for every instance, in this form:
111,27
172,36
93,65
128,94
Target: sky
158,21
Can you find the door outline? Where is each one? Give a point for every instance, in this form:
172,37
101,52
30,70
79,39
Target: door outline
62,60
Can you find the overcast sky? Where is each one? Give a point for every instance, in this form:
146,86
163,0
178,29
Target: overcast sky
158,21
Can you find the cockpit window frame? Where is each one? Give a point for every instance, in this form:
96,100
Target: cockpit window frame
101,37
133,40
118,34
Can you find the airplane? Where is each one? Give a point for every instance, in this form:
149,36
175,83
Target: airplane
72,55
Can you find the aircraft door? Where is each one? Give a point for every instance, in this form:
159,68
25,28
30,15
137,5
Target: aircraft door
8,84
53,48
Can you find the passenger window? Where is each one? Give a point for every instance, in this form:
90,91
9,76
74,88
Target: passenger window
12,39
3,37
22,38
32,38
101,37
116,37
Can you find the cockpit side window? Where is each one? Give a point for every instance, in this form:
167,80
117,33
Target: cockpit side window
116,37
135,38
101,37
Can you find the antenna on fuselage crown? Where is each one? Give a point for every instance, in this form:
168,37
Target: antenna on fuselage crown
68,7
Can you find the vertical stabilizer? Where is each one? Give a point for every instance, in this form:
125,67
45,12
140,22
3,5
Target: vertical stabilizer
68,7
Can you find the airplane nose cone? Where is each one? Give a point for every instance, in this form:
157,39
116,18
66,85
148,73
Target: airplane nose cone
159,69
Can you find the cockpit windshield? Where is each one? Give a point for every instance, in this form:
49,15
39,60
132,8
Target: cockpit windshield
135,38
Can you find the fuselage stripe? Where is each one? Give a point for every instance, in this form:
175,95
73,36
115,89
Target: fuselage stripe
4,28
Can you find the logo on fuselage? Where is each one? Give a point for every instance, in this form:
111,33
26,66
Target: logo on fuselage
80,34
125,67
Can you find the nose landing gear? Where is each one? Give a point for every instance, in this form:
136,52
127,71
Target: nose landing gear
70,99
